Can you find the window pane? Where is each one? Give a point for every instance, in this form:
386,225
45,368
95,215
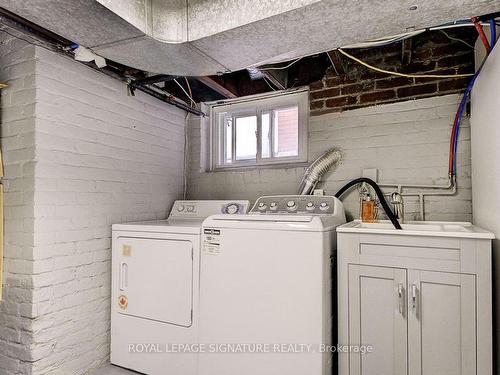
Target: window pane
286,132
266,135
246,141
228,137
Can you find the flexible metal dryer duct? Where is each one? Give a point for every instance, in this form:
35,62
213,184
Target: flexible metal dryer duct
317,169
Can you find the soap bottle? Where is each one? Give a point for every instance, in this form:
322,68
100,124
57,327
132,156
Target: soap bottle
368,209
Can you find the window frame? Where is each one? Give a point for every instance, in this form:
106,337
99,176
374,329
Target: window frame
256,105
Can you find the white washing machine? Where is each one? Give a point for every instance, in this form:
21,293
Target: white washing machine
155,286
266,288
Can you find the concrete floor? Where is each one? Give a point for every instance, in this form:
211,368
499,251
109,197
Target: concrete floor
112,370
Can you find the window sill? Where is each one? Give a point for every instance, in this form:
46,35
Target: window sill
246,168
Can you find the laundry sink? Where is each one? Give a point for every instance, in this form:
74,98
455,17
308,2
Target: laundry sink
418,228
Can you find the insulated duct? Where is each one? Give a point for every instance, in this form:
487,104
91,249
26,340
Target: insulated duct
317,169
206,37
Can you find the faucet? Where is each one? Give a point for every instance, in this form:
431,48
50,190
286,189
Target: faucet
398,206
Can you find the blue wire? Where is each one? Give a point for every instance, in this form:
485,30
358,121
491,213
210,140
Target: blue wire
459,120
493,32
461,110
467,92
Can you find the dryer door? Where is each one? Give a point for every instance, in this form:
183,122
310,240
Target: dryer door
155,279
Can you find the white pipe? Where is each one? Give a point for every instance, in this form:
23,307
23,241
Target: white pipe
400,37
451,188
449,185
422,210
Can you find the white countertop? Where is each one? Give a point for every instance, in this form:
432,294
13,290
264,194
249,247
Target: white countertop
418,228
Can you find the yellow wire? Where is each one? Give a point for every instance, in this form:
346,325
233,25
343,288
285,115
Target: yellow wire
402,74
3,85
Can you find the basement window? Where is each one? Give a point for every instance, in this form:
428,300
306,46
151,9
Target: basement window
260,130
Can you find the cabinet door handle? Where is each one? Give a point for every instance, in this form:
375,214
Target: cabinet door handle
401,294
414,297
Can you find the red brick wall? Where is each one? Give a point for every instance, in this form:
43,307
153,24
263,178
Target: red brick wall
431,53
288,130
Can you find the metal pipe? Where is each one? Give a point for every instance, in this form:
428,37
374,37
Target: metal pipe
23,25
451,187
422,210
166,98
154,79
398,206
50,41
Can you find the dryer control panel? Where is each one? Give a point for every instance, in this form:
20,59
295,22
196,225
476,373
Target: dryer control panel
296,204
205,208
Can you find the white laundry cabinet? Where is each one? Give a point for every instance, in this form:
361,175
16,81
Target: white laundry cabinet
417,304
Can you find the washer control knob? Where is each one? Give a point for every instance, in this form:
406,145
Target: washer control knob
190,208
273,206
291,205
180,208
323,206
310,206
262,206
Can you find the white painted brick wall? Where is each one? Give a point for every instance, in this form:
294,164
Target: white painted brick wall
17,67
87,155
406,142
96,157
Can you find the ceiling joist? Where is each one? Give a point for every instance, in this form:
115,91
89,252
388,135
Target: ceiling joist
216,86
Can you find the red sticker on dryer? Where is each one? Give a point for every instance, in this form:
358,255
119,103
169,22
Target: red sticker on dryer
123,302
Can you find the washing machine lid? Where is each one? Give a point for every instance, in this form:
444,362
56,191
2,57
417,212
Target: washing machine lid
275,222
182,226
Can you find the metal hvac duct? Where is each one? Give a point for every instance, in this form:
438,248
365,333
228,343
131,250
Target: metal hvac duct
205,37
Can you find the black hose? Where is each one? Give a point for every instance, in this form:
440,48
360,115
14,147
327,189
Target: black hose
379,193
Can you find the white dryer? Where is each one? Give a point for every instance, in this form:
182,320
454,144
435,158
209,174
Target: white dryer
265,292
155,280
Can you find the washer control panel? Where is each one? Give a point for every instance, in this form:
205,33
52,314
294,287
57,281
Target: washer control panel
295,204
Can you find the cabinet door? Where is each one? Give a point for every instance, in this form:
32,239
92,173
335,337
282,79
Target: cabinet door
441,323
377,317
